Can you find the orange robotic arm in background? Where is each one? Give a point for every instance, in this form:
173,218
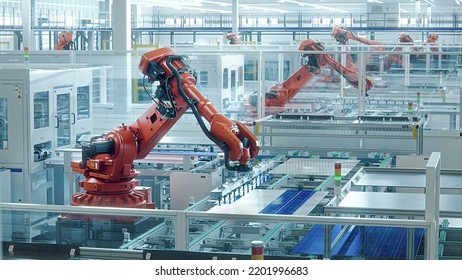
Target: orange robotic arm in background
342,35
432,38
280,94
232,38
108,164
65,41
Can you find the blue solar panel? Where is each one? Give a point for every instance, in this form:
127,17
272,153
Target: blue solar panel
389,243
288,202
360,241
313,242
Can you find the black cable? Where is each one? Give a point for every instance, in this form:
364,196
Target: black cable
146,91
196,113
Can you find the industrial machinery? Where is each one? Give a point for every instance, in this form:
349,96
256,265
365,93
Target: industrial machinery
65,41
108,163
232,38
342,35
312,63
432,38
365,136
40,111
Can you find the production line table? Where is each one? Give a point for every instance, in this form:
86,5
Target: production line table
407,180
394,204
257,200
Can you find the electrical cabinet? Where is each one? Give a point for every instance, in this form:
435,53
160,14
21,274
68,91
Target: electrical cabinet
40,110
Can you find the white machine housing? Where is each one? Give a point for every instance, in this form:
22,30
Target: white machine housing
41,110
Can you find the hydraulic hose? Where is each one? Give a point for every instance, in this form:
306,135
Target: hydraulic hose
202,125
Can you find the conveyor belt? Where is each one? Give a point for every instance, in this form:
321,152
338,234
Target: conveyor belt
363,242
316,167
288,202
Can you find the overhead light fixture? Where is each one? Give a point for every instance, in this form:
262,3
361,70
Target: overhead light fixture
457,2
253,7
303,4
207,10
217,3
171,3
375,1
430,3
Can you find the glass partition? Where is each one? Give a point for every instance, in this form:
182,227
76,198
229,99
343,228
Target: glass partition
41,109
83,102
307,240
3,123
417,81
63,117
283,236
87,230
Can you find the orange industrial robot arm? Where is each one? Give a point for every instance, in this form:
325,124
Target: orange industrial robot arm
342,35
432,40
65,41
232,38
108,164
403,39
280,94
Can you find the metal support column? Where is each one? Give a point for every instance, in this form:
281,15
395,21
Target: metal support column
181,232
91,40
432,203
428,58
261,95
280,67
26,25
235,17
172,38
121,36
406,66
460,108
327,241
343,60
410,248
362,82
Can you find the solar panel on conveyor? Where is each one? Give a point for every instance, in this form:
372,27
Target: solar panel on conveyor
363,242
288,202
389,243
313,242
